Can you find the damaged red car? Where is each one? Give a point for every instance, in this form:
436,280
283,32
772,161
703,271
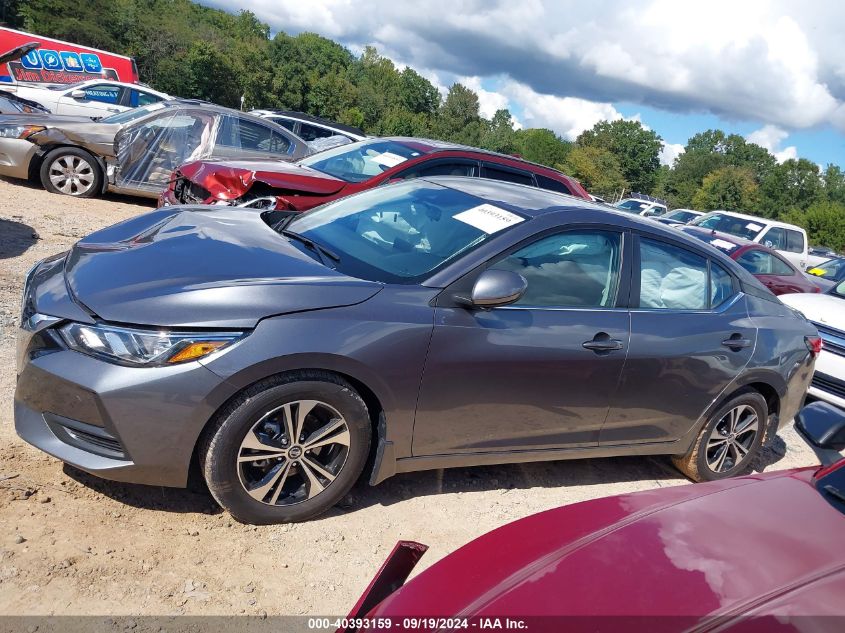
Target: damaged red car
348,169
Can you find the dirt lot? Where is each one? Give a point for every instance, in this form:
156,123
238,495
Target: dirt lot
72,544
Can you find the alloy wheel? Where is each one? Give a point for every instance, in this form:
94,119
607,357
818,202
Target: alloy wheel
293,452
71,175
732,438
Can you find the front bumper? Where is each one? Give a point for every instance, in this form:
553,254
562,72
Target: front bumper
15,157
133,424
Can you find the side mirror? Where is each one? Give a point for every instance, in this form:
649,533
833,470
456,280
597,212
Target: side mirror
495,288
822,426
77,94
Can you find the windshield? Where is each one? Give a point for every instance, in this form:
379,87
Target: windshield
402,233
741,227
134,113
360,161
830,270
632,206
839,289
681,216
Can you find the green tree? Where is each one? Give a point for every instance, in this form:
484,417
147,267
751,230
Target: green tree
417,93
824,222
834,184
794,184
206,69
730,188
597,169
543,146
636,148
499,135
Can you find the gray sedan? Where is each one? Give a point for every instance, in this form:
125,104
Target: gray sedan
426,324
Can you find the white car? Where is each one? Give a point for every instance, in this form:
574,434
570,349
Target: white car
311,128
789,240
827,313
642,205
93,98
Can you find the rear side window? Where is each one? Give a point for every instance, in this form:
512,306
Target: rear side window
573,269
507,175
775,238
140,98
286,123
672,278
759,262
721,285
794,241
544,182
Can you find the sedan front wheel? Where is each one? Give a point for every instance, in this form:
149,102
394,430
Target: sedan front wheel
287,449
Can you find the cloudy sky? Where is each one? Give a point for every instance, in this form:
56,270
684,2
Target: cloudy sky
771,71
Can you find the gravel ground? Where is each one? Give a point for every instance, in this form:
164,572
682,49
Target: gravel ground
73,544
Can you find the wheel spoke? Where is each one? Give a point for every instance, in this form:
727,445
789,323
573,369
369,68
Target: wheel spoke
303,409
314,485
281,483
721,460
287,419
271,479
254,442
341,438
749,424
713,442
333,425
320,470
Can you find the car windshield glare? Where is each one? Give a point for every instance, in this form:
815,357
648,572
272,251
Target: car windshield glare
632,206
741,227
357,162
839,289
402,233
134,113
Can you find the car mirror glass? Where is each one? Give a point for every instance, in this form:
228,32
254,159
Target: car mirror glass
77,94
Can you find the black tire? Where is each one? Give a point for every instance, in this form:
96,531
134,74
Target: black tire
702,463
83,176
266,404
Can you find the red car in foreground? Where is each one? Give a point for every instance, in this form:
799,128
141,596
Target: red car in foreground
775,272
757,553
348,169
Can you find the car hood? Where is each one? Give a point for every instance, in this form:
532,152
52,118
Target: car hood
826,309
230,179
201,267
689,551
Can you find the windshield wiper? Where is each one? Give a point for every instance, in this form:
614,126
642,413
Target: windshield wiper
322,251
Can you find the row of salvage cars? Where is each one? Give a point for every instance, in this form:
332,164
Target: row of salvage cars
457,310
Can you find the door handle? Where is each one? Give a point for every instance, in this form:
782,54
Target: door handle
736,342
602,343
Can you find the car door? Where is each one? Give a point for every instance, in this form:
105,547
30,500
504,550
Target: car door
690,337
536,374
93,100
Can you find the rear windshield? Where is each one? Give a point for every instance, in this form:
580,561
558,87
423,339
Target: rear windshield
360,161
682,216
632,206
724,223
830,270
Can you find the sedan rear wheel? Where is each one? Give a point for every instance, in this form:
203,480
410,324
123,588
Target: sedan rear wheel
729,442
287,448
72,172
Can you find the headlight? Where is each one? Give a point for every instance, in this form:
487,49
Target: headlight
147,348
19,131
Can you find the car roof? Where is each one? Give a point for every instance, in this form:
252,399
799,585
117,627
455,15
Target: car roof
703,234
759,220
302,116
123,84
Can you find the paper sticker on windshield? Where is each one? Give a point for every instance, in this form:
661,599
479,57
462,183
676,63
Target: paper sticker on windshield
753,227
487,218
389,159
723,244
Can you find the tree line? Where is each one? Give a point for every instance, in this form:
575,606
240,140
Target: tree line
194,51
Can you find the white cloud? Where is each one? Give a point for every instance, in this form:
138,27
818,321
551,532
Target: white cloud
765,60
670,152
488,102
771,137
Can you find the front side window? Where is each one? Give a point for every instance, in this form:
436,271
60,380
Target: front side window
311,132
794,241
544,182
441,168
507,175
357,162
103,93
672,278
775,238
578,269
402,233
251,136
759,262
139,98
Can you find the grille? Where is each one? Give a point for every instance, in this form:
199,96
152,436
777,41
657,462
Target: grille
834,340
187,192
829,384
